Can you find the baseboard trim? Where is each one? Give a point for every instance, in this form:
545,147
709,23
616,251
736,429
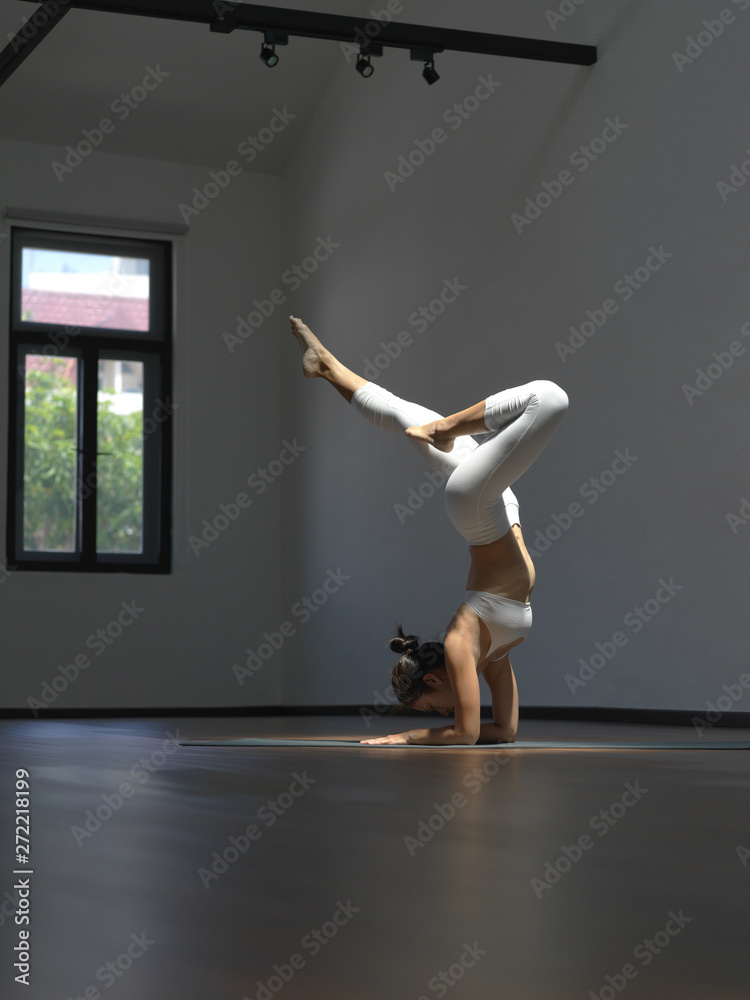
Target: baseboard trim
631,716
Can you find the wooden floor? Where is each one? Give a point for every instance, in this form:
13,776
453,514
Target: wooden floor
181,873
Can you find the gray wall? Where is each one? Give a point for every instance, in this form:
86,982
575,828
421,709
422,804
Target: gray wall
181,649
333,514
660,516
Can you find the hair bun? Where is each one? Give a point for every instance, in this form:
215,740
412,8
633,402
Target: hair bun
405,644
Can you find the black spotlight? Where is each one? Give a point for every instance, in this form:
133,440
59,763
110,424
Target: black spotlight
268,49
429,72
427,56
366,50
364,66
268,55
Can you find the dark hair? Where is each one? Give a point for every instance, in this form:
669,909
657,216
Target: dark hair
417,659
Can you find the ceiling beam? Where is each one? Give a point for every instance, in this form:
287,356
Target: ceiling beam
35,30
223,16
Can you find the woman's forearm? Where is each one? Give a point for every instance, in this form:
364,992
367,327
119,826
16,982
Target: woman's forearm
490,732
440,736
468,421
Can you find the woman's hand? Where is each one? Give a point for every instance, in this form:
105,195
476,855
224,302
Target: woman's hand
394,739
434,433
436,736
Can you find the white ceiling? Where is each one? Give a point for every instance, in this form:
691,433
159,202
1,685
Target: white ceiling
217,92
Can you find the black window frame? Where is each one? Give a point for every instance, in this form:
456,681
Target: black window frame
90,345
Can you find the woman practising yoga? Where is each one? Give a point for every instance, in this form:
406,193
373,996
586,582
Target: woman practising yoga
495,615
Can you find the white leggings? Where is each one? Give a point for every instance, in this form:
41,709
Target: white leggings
478,498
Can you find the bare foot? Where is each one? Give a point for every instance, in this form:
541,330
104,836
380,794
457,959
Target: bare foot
315,357
433,433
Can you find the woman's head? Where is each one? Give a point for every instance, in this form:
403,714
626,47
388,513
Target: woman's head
419,677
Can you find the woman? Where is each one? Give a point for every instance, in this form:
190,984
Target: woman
496,614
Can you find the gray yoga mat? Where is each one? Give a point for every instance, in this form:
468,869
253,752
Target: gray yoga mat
519,745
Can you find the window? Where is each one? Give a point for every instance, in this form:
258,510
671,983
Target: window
89,471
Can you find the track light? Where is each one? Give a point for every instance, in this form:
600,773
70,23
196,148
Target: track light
364,66
366,50
427,56
268,55
429,72
268,49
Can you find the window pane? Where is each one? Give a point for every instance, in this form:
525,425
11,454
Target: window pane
50,456
84,289
119,466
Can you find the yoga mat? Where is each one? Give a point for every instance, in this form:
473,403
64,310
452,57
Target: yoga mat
518,745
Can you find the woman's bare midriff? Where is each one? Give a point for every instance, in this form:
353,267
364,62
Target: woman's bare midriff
503,567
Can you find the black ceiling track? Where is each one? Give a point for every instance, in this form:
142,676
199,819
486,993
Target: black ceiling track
26,40
358,31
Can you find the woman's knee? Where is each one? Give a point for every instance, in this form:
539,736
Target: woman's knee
551,395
